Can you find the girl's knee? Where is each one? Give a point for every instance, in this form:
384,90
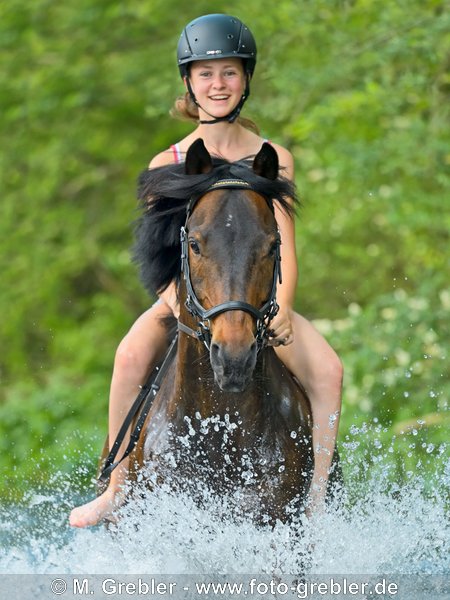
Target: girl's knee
144,343
336,367
131,357
337,371
328,371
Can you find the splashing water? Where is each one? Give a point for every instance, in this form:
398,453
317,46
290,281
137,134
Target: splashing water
378,528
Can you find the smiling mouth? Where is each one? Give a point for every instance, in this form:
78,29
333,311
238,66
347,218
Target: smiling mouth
218,98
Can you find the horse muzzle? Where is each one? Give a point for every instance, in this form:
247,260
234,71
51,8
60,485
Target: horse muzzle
233,367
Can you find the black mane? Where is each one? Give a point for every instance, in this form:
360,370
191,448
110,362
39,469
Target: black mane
164,193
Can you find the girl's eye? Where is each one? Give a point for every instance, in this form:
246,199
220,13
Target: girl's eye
230,73
205,74
194,246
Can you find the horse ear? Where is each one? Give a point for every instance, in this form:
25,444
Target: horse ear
198,160
265,163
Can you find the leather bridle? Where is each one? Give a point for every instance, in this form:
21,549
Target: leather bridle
262,315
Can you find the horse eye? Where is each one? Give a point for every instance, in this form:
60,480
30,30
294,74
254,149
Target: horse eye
194,247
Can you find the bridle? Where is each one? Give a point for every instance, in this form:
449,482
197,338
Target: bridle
262,315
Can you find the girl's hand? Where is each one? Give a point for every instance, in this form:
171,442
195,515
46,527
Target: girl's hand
280,328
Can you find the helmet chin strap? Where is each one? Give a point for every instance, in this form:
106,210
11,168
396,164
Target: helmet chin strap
230,117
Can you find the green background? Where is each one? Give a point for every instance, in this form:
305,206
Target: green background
358,90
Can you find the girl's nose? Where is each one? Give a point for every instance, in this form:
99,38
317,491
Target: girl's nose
218,82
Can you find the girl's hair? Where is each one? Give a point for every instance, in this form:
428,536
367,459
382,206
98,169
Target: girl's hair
185,109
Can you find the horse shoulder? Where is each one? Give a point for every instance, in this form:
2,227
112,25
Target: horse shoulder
285,385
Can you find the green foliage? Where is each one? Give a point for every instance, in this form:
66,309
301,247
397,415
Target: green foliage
397,385
359,90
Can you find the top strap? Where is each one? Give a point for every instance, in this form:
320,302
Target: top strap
176,153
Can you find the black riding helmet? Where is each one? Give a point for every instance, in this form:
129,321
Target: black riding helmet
217,36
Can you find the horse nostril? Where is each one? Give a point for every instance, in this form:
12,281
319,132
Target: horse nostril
215,350
253,347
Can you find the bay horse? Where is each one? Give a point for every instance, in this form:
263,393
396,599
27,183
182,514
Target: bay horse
228,414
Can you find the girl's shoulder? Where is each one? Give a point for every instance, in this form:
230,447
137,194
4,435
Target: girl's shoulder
285,158
174,154
162,159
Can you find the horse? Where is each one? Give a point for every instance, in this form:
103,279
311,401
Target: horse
228,414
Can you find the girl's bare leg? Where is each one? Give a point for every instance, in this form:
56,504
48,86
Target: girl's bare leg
312,360
140,349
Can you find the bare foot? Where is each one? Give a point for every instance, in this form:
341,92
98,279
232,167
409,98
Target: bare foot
95,511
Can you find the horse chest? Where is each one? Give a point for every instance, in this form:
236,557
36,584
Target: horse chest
224,451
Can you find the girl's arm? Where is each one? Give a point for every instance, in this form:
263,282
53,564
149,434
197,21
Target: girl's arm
281,325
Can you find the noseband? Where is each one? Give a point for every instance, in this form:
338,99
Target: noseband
263,315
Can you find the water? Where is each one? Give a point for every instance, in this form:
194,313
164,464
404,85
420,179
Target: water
377,534
379,528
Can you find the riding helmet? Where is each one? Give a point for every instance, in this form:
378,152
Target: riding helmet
216,36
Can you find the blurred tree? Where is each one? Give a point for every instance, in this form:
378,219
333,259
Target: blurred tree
359,90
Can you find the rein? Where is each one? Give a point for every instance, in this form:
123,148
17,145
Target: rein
262,315
143,404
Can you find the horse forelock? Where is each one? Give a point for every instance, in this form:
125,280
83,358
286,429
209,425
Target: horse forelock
164,194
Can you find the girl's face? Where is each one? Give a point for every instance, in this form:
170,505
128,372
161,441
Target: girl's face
218,84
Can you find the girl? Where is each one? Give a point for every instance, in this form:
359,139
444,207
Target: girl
216,58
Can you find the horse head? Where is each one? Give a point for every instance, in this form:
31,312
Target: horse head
231,265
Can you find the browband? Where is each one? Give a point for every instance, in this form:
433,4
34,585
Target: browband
229,183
